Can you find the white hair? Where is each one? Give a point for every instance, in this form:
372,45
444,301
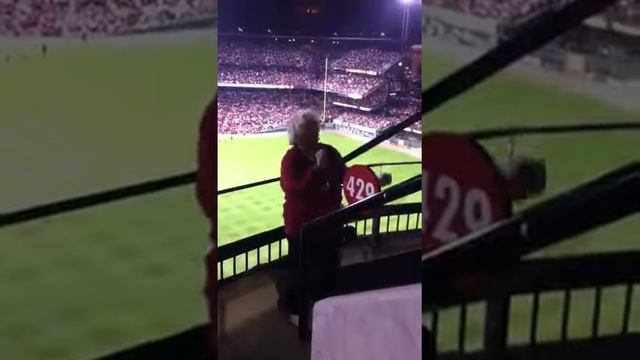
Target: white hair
298,120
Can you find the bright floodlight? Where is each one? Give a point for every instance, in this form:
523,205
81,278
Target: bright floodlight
407,1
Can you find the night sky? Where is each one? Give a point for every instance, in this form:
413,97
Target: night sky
345,17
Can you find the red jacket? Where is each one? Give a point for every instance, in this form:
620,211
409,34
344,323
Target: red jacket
308,192
206,180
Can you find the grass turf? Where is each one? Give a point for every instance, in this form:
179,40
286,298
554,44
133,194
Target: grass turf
92,117
508,99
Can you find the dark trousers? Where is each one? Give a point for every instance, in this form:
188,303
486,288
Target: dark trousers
324,262
429,344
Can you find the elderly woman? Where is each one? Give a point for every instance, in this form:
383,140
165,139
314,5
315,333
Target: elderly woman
310,177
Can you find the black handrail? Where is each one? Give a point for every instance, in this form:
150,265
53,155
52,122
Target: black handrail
344,215
272,240
272,180
100,198
123,193
609,198
268,237
548,274
533,278
494,133
351,212
250,243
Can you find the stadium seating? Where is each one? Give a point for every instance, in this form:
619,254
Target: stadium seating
367,59
256,111
247,112
103,17
247,53
342,84
626,11
381,120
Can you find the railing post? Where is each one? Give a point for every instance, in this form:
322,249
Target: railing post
496,328
375,230
303,282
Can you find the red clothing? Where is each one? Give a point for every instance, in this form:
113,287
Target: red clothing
206,185
309,193
206,175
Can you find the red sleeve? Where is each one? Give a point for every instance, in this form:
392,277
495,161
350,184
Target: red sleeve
295,179
206,184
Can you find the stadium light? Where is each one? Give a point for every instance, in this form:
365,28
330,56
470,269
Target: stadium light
407,1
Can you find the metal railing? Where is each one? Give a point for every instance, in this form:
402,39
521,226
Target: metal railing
485,267
318,228
270,247
535,279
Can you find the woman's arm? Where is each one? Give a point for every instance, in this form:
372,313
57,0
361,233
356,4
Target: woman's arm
294,178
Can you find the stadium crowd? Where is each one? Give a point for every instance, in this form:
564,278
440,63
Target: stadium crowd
349,84
373,100
381,119
302,55
255,111
103,17
366,59
264,76
342,84
247,53
626,11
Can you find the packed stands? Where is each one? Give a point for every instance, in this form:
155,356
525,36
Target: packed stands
376,121
390,115
255,111
343,84
373,100
626,11
248,53
96,17
349,84
264,76
367,59
248,66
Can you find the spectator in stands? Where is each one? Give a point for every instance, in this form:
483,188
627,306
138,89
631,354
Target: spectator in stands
311,177
206,194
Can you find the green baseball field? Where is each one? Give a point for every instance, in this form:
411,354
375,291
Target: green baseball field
510,100
91,117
